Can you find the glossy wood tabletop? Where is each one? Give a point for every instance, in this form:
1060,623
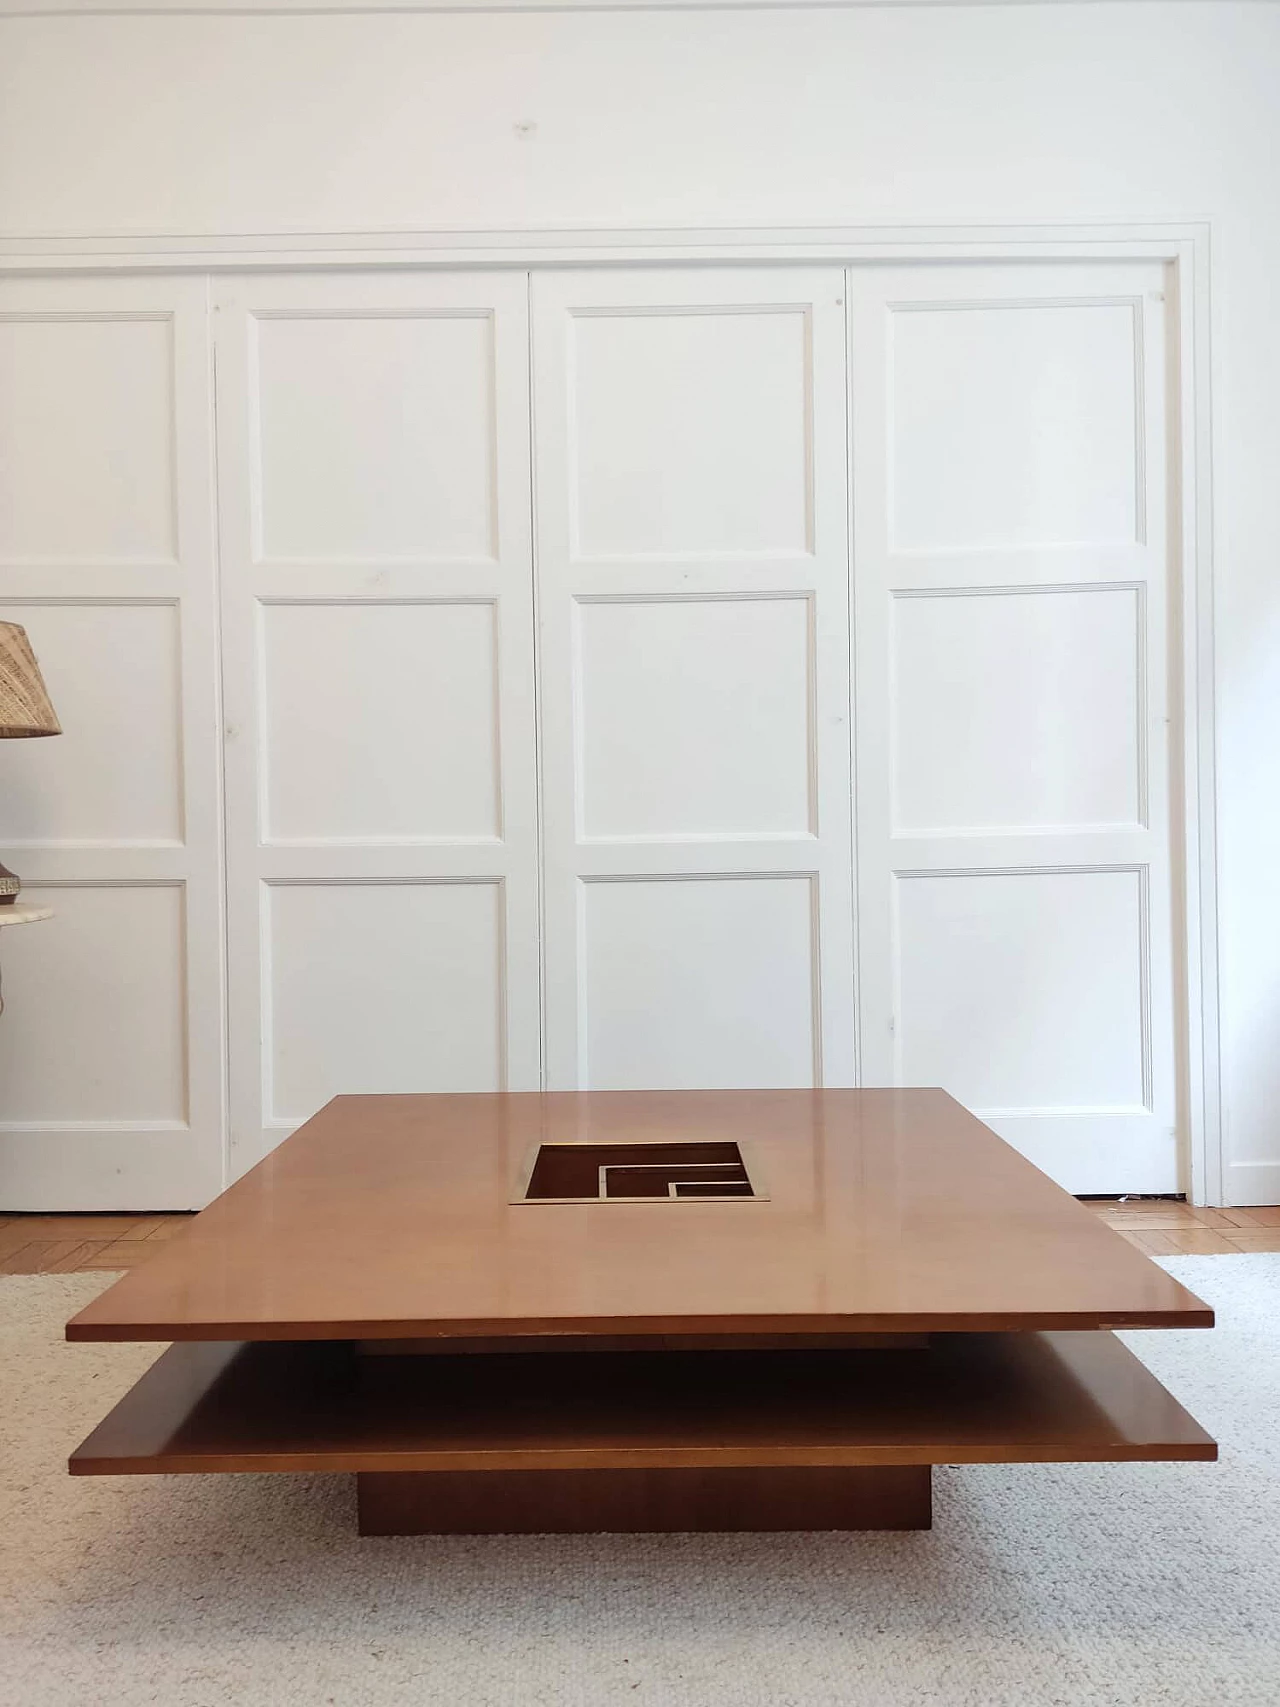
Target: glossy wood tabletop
882,1210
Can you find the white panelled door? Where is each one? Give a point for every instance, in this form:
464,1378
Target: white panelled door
374,461
111,1045
1011,573
690,440
677,908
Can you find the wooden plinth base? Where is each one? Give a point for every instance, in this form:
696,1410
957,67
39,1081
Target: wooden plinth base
578,1502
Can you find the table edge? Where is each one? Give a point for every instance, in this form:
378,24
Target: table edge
1196,1315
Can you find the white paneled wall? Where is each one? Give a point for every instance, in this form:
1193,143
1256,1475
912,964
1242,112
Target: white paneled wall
111,1046
615,848
1014,823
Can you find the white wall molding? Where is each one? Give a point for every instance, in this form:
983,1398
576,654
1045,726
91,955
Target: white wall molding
551,247
1252,1182
283,8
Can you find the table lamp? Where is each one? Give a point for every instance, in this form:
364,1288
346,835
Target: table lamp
24,710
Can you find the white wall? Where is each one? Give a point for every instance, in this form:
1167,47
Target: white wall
880,115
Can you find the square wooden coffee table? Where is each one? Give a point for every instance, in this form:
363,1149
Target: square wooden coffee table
640,1311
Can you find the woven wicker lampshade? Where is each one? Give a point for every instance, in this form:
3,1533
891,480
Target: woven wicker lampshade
25,708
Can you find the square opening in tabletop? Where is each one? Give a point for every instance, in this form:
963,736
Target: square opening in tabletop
606,1173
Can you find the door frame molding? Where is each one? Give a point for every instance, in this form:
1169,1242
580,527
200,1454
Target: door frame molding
1186,250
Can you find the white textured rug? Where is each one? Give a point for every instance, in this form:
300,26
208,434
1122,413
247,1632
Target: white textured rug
1123,1585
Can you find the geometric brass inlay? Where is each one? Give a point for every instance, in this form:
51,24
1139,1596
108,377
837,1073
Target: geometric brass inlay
608,1173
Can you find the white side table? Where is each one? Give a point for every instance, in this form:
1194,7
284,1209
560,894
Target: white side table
15,915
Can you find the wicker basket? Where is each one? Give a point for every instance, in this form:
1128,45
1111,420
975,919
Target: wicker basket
24,702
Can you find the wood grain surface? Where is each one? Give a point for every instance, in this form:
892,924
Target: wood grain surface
589,1502
390,1217
969,1398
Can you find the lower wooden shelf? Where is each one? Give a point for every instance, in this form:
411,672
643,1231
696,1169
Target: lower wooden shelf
318,1405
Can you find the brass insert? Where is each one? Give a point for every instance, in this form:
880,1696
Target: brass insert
637,1173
